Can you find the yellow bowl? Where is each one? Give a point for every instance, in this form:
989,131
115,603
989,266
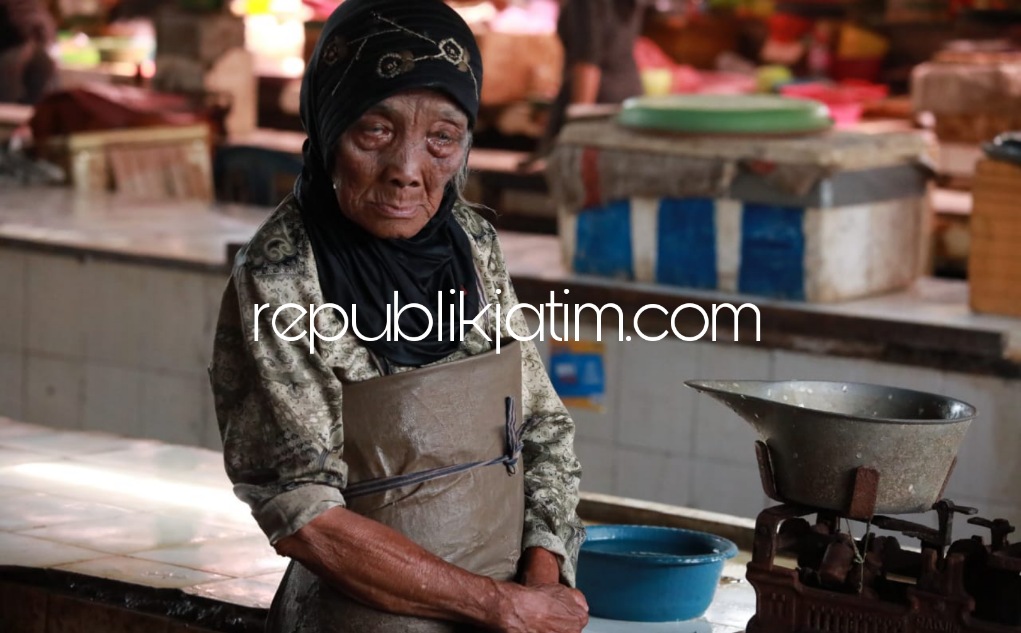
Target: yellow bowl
657,81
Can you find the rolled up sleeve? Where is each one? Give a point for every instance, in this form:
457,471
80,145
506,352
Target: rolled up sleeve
552,472
278,408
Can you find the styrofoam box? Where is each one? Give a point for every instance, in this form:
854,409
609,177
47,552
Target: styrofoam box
786,252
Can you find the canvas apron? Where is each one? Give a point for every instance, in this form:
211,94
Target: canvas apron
433,453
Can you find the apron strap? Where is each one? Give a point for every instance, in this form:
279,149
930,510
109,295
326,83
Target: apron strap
514,445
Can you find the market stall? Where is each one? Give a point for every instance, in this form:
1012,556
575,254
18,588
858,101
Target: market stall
759,220
816,217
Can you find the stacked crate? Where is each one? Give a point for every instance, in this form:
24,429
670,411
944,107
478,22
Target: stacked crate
147,162
204,53
995,262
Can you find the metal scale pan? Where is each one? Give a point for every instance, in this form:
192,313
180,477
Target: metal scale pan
820,440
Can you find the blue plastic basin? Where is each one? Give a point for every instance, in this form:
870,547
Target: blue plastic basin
644,573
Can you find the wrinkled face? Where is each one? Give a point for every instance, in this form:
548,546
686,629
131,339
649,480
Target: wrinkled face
393,164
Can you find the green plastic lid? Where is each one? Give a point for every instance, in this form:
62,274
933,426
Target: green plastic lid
726,114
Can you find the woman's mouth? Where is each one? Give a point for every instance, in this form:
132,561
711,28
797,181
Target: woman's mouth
396,211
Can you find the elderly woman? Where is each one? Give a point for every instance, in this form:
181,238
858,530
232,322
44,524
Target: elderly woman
425,482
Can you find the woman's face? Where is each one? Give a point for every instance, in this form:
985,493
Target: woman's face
393,164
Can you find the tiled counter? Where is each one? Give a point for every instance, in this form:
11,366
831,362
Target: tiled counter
160,523
126,509
109,308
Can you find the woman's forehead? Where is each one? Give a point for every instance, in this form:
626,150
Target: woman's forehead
420,101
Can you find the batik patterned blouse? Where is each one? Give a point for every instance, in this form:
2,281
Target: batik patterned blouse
279,407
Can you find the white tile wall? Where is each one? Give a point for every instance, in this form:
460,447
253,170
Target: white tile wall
140,370
727,487
12,384
54,391
175,314
719,432
173,409
640,473
114,313
57,299
213,286
12,310
655,406
113,399
110,346
720,473
598,463
987,464
677,482
594,425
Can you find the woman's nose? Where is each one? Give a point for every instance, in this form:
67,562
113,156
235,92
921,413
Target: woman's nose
404,165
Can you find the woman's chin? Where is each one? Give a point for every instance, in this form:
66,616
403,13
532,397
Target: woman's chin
397,228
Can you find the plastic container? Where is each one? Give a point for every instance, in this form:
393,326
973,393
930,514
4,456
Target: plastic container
640,573
725,114
846,101
862,68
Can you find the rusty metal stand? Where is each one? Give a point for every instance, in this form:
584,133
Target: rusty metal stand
953,582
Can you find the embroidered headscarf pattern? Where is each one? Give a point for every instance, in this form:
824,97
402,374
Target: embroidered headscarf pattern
392,64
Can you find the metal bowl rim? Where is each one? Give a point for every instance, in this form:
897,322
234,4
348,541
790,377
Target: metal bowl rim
700,386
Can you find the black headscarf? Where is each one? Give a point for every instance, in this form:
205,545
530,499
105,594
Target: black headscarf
370,50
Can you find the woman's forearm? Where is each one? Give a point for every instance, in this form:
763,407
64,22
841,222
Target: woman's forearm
383,569
539,567
585,80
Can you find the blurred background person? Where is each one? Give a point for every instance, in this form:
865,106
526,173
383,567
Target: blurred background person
27,30
599,64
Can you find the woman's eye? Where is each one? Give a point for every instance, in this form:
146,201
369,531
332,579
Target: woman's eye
444,138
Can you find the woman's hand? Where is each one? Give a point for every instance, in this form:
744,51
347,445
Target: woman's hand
550,608
546,605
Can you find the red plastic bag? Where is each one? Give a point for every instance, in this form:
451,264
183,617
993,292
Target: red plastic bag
97,107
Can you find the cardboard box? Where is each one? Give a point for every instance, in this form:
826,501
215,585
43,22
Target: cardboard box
150,162
994,265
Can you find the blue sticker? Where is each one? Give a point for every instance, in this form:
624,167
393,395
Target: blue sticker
577,375
603,244
772,251
686,253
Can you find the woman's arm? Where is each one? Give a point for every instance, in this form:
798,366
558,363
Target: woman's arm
381,568
585,78
551,470
539,567
589,21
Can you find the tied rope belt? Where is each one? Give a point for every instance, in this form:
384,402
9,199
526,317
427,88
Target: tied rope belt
513,444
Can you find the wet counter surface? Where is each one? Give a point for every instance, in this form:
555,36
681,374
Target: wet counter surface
160,522
929,324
